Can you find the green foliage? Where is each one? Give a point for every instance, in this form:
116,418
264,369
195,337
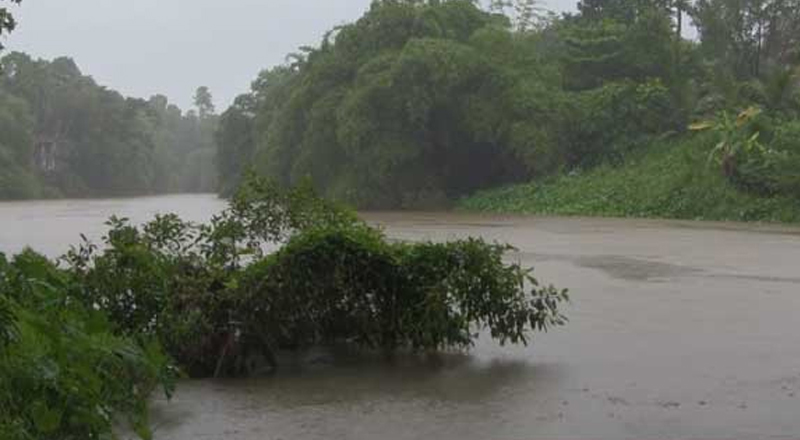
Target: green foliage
16,139
7,22
9,332
235,145
748,37
737,140
60,132
613,119
785,136
623,11
421,102
204,102
386,112
668,179
769,168
221,305
16,183
774,168
348,284
63,374
184,155
597,51
528,15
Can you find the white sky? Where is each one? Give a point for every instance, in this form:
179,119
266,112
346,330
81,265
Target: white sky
144,47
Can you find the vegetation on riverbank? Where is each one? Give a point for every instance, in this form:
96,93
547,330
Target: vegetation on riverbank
62,134
64,374
86,342
668,179
420,103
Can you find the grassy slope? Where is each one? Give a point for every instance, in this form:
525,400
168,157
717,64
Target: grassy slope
666,180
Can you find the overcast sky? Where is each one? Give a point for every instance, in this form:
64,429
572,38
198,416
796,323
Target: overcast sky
144,47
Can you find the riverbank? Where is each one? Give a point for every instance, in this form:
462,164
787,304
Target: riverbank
669,180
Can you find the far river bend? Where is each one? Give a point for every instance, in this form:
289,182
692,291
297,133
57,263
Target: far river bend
678,330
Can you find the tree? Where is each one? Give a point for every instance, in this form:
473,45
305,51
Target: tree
64,132
745,36
7,22
527,15
386,112
235,143
16,142
204,102
421,102
623,11
597,50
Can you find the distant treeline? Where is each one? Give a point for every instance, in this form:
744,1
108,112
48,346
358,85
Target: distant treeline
62,134
421,102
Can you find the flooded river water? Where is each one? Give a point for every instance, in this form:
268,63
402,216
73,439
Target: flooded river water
678,330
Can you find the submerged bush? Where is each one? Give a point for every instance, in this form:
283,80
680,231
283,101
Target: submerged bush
331,285
81,347
222,304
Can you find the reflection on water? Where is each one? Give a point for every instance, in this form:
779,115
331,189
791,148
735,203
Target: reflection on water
346,398
678,330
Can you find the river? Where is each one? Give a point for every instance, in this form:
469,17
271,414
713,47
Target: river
678,330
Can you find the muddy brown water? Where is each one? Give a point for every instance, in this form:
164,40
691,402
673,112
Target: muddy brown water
678,330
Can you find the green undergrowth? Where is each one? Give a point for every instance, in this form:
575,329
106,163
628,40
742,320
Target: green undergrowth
668,179
64,374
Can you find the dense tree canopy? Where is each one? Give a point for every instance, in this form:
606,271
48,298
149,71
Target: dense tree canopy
419,102
748,38
63,134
